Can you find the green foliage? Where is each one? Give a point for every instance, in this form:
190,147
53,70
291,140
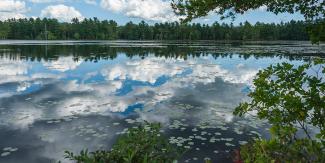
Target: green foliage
142,144
300,151
317,31
51,36
313,10
4,30
191,9
292,99
93,29
76,36
286,95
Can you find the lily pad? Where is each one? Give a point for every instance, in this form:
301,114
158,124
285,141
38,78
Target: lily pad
4,154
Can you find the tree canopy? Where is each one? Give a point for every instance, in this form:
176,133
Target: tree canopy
95,29
312,10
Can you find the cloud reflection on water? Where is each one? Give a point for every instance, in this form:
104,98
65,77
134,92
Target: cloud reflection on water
52,101
86,98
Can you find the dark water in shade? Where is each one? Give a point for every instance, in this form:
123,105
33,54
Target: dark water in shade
77,95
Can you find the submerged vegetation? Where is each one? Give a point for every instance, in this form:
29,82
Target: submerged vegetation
140,144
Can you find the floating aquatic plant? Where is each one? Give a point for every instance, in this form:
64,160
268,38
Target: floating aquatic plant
217,133
4,154
130,121
10,149
139,145
229,144
207,159
227,139
116,123
242,142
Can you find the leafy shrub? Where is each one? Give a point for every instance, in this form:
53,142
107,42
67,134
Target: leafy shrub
301,150
292,99
143,144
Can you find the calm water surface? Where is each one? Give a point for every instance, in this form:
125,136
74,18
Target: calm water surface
57,96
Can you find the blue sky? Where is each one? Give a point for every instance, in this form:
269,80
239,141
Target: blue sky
122,11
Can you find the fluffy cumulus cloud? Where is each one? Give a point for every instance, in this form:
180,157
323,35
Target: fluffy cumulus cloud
12,5
61,12
83,98
155,10
149,70
12,9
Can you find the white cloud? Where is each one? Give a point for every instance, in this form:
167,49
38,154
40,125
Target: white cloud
23,86
12,5
262,8
156,10
147,70
12,68
207,74
101,98
113,5
46,1
11,15
91,2
23,116
12,9
62,64
61,12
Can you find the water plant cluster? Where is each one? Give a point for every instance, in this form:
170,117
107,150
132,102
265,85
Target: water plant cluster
144,144
7,151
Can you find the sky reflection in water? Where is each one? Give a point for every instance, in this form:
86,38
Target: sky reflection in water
70,102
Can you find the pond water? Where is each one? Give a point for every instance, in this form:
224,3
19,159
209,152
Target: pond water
65,95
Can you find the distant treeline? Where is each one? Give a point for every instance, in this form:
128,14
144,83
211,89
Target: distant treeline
94,29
